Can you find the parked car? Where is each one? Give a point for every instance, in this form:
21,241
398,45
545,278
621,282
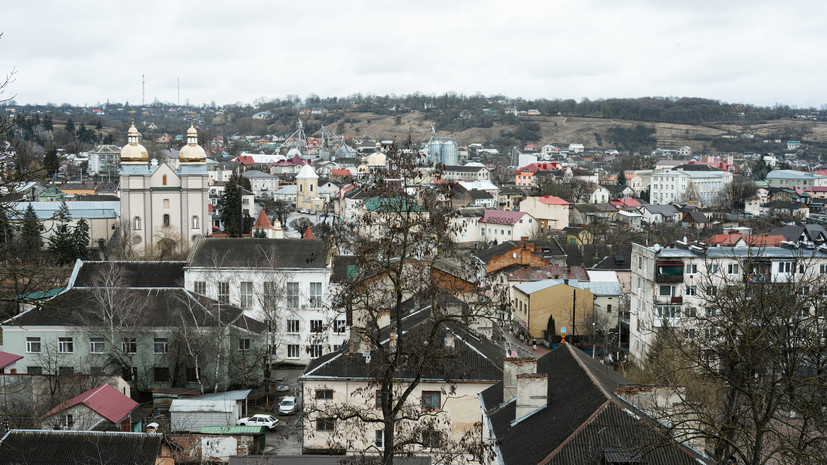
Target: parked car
259,420
287,405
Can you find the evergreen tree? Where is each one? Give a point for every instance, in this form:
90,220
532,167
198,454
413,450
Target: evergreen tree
80,239
70,126
231,207
621,177
47,123
51,161
30,229
61,245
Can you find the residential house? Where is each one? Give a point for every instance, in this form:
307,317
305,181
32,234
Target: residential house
654,214
263,184
597,194
525,176
446,391
619,191
466,173
588,213
551,213
745,240
465,224
666,282
103,408
793,178
524,253
105,161
679,186
283,281
802,234
797,210
126,318
7,362
270,230
533,417
498,225
509,197
553,308
578,235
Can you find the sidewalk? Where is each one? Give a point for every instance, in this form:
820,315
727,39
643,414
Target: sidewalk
524,350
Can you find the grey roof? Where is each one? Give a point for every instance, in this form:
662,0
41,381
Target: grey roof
73,447
227,395
474,359
320,460
738,252
601,288
463,168
157,308
665,210
187,169
548,249
795,232
78,209
582,418
258,253
133,274
252,174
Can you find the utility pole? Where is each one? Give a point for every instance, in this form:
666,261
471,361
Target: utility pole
573,313
143,90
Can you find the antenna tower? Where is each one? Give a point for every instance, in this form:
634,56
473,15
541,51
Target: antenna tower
143,90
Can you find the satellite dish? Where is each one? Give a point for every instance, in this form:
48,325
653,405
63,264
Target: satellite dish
656,247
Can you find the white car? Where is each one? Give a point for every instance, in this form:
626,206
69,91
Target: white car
259,420
287,405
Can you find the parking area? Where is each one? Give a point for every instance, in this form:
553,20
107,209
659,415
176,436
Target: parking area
287,438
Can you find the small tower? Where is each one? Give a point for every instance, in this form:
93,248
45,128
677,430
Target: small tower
307,188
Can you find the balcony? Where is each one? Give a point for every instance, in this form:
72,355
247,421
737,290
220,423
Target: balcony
669,278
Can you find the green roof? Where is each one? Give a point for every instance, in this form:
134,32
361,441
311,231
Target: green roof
40,295
232,430
392,204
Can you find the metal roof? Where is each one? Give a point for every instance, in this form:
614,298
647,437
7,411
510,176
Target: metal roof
228,395
232,429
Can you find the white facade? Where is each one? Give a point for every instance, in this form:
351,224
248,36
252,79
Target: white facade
672,186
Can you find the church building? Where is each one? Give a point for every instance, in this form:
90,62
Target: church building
163,208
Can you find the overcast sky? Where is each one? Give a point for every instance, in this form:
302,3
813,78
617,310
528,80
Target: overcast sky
85,52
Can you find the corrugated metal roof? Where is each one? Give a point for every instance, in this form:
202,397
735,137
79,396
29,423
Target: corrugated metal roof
105,400
201,405
232,429
227,395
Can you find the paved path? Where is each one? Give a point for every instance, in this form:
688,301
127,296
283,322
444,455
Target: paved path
524,350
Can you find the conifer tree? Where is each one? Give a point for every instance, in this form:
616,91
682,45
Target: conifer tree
230,208
30,232
61,245
6,229
80,239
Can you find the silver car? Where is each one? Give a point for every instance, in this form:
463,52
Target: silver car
287,405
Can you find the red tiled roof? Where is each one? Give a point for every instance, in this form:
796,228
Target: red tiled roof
340,172
552,200
7,359
730,240
625,202
105,400
262,222
501,217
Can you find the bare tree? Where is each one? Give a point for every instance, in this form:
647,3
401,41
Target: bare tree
397,245
753,360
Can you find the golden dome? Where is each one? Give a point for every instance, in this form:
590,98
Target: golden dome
133,152
192,152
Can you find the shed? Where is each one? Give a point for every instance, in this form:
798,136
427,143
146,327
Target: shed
193,414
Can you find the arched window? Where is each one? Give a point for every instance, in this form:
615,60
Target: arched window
166,219
164,180
137,222
195,222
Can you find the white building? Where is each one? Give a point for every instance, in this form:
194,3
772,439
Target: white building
263,184
284,281
704,186
792,178
668,283
499,225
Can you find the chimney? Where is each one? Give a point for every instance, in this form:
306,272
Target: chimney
359,342
532,393
513,367
383,319
392,340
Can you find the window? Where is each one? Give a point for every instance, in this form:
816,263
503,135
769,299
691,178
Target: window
33,345
732,268
315,294
689,333
96,345
378,403
822,269
316,326
159,346
669,311
195,222
69,420
691,269
667,291
246,294
711,312
244,344
65,371
431,440
431,400
639,262
164,181
691,290
292,326
166,219
193,375
340,326
315,350
136,223
161,374
224,292
65,345
271,290
325,424
379,438
130,345
712,268
292,351
34,370
200,287
711,290
324,394
292,295
786,267
691,312
134,374
609,308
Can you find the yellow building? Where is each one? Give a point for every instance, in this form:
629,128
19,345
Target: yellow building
554,307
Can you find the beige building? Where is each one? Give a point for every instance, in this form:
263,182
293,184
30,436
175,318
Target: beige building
551,213
552,308
307,190
162,205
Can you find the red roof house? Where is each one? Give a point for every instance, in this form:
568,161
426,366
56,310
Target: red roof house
7,359
100,408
